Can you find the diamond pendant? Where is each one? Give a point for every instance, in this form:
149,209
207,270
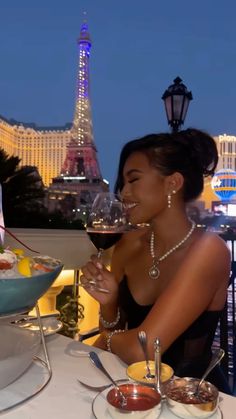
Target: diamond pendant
154,272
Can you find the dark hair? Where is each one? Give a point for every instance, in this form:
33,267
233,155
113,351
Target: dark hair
191,152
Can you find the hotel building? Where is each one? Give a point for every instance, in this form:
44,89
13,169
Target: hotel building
43,147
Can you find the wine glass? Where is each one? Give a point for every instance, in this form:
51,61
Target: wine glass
106,223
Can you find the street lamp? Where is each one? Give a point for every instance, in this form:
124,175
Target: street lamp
176,99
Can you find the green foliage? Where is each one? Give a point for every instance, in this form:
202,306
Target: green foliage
71,310
23,195
22,189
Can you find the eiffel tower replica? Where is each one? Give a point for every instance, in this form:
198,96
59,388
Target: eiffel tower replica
73,191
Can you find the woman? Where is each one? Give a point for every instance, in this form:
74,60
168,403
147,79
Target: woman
169,279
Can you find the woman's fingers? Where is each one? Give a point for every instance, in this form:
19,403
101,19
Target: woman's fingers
97,262
86,281
96,278
90,270
89,284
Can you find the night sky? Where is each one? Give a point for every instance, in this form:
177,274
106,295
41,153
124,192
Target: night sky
138,48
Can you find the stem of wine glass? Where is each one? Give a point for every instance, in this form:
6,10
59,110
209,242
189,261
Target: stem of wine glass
100,252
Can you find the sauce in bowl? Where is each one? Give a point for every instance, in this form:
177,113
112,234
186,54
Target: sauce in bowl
140,398
187,396
134,402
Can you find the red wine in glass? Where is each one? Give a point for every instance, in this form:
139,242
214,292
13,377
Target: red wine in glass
103,239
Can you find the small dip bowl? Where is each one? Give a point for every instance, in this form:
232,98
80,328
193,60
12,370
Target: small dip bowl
183,401
142,402
138,370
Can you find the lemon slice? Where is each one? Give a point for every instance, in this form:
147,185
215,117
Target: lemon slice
24,266
18,252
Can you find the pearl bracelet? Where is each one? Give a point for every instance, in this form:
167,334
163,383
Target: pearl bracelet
109,325
109,336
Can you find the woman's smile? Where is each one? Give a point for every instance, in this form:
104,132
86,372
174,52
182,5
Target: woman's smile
129,205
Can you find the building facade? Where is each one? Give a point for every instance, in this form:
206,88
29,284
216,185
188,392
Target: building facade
227,151
43,147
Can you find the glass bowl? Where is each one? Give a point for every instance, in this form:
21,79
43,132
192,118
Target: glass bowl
182,400
19,295
142,402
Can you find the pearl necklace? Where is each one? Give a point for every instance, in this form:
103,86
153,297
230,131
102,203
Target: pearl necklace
154,271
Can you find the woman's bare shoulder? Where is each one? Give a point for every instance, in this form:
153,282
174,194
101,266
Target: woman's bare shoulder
212,241
210,250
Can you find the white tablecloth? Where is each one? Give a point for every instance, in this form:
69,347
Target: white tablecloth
64,398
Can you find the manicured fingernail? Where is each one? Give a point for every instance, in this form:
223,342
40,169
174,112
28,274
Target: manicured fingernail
99,265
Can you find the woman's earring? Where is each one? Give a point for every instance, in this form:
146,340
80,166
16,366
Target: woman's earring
169,199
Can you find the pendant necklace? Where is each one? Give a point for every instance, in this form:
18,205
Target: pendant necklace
154,271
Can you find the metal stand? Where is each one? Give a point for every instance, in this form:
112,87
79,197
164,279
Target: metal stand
46,362
32,391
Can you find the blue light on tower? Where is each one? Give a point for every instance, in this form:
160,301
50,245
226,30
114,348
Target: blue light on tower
81,131
224,184
84,43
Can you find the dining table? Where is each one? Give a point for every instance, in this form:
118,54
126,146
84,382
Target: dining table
64,397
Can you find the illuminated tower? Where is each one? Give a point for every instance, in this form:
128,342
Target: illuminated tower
80,174
81,158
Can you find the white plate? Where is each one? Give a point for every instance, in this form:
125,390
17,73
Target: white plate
26,386
50,325
100,410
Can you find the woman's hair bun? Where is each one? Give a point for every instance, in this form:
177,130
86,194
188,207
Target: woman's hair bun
202,149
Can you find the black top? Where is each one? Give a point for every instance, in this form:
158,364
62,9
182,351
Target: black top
190,353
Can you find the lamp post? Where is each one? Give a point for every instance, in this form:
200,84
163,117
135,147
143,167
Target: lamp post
176,98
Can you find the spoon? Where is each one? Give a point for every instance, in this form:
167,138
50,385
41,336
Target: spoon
216,358
142,337
96,361
157,349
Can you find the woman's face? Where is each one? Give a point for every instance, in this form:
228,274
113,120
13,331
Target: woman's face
144,192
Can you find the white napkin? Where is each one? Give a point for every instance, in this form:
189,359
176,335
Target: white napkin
87,372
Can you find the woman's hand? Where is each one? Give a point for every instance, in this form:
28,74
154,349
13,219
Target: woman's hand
94,270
